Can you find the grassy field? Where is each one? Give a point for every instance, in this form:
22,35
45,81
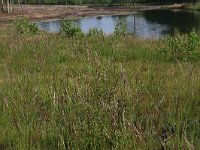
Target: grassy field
95,93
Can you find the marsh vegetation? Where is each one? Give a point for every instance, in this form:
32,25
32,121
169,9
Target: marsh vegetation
98,92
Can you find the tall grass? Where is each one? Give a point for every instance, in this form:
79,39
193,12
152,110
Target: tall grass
95,92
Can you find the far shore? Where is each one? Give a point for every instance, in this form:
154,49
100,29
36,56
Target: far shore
53,12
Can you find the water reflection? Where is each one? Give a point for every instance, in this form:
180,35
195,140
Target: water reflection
181,20
156,23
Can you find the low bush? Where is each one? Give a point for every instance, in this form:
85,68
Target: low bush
70,29
24,26
120,29
182,46
95,32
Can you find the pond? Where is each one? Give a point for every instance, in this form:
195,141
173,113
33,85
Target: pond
147,24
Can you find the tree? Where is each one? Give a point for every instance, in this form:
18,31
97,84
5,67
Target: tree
7,6
2,6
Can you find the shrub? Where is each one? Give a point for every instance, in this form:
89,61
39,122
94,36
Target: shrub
120,29
24,26
70,29
182,46
193,43
95,32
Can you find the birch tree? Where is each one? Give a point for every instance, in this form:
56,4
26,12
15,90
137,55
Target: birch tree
7,6
2,6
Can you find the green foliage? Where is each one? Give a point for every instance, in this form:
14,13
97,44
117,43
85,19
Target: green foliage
95,93
182,46
24,26
95,32
120,29
70,29
193,41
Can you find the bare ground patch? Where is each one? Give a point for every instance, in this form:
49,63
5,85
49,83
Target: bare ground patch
43,12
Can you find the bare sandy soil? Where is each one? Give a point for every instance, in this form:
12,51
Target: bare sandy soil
45,12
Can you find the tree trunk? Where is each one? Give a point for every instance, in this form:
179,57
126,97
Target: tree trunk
19,3
11,5
2,6
194,1
8,6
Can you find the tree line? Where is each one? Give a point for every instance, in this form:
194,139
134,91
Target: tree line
97,2
6,5
79,2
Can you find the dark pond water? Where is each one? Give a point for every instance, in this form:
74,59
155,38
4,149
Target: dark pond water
147,24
